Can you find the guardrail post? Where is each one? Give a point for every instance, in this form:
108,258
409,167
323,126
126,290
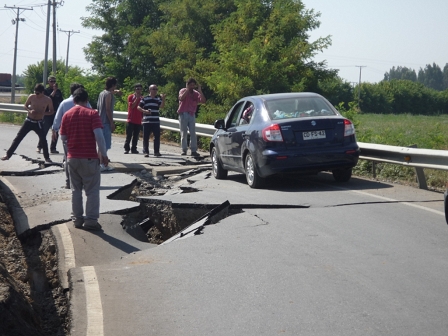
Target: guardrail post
374,169
421,178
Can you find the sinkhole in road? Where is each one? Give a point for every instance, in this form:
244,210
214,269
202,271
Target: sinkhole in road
157,221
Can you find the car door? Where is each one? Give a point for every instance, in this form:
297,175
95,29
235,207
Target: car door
239,132
225,139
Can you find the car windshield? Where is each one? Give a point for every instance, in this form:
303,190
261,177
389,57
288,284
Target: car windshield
298,108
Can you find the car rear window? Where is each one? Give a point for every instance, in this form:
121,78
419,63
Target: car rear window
298,108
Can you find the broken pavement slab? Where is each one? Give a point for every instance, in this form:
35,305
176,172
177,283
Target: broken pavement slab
42,200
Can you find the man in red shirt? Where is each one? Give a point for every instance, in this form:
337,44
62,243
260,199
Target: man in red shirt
134,121
189,99
81,129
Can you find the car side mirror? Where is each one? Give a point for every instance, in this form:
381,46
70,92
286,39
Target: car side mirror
219,124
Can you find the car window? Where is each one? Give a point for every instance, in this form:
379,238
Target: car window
298,108
246,116
234,115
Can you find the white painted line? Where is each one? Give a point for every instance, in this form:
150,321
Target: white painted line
67,245
94,308
392,200
405,203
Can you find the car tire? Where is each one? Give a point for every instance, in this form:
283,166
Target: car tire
342,175
253,179
445,200
218,171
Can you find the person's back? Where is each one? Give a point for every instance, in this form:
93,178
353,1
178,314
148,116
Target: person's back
79,124
102,106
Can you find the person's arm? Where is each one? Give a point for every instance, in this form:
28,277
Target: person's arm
201,95
28,103
50,108
99,137
183,94
58,118
136,101
162,95
110,112
142,110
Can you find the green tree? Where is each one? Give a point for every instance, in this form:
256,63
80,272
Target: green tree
400,73
263,47
431,77
33,74
445,76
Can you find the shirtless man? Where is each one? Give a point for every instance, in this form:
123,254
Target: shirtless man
38,105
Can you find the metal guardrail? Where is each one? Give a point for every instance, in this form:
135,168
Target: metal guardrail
417,158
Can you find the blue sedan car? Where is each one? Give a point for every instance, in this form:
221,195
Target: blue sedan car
280,133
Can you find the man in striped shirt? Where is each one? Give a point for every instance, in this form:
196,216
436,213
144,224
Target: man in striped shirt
150,106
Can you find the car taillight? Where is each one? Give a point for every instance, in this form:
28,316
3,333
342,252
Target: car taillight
272,133
349,129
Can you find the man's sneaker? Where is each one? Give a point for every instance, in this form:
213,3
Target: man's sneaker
38,150
109,168
183,153
157,154
4,158
146,155
54,151
195,154
102,167
135,152
126,152
77,225
93,227
48,161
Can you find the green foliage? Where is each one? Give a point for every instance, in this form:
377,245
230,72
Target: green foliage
33,74
402,96
401,73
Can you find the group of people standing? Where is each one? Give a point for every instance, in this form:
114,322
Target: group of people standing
86,134
144,112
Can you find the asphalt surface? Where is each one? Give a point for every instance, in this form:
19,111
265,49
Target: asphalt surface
305,256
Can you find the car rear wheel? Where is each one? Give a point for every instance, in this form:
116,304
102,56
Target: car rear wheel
218,171
343,174
253,179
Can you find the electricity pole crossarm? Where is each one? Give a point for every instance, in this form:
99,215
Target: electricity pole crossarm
69,33
16,22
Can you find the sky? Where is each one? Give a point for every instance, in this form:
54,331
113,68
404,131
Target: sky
369,37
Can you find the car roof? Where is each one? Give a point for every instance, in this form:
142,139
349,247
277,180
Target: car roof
274,96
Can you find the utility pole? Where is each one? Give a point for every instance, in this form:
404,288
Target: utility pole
69,33
359,84
16,22
47,39
54,37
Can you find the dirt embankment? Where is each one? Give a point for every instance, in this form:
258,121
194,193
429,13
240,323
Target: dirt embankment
32,302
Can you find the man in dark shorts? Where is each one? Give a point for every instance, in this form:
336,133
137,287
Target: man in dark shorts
38,105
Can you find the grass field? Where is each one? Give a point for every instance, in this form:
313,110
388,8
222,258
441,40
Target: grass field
430,132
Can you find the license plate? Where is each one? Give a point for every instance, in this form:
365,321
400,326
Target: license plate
314,135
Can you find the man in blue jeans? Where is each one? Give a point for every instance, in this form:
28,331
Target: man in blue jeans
105,105
189,98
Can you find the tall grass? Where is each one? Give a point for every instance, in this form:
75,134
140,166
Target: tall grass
430,132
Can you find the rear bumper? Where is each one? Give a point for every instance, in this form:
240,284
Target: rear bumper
273,163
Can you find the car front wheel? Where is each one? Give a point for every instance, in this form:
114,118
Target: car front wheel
253,179
342,175
218,171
